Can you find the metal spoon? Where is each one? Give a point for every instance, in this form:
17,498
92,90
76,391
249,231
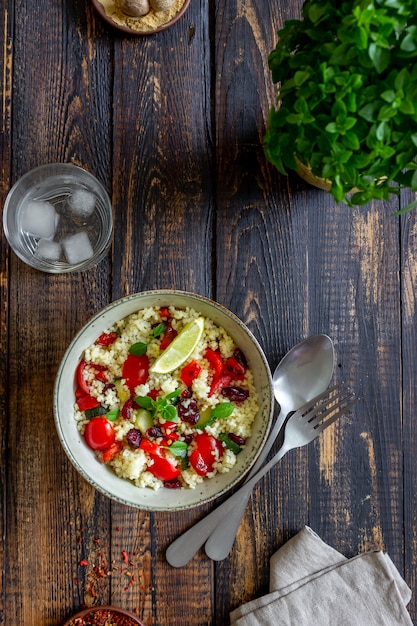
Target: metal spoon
302,374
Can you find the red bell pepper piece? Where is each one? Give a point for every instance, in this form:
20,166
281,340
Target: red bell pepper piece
234,368
106,339
150,446
85,402
190,372
135,370
164,470
219,383
215,360
111,452
164,312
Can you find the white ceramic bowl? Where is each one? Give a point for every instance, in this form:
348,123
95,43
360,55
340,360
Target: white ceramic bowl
101,476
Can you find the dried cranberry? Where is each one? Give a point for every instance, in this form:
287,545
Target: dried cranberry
186,393
154,432
240,357
187,438
172,484
188,411
134,437
127,408
235,394
239,440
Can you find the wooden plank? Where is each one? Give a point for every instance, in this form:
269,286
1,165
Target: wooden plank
408,353
163,200
58,116
6,28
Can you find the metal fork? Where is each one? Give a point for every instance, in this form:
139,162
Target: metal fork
302,427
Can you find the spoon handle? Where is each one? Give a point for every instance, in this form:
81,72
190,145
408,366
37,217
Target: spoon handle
221,540
184,548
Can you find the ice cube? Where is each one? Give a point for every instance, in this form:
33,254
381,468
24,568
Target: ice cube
82,202
77,248
48,250
39,219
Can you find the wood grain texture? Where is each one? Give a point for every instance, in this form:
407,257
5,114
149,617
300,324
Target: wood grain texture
173,125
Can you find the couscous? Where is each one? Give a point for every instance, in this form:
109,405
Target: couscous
174,429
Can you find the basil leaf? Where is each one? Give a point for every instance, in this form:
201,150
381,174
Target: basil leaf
145,402
158,330
113,415
178,448
138,349
169,413
222,410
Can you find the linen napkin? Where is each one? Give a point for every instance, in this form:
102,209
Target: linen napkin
312,584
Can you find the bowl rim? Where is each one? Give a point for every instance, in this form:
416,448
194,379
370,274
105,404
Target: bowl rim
131,31
268,411
105,607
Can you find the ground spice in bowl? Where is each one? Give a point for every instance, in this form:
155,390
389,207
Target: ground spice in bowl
104,616
152,22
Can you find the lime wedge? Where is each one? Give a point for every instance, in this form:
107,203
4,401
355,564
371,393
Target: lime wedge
180,348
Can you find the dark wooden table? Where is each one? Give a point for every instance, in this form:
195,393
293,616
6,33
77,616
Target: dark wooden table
172,124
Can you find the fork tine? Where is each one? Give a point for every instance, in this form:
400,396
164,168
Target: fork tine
320,412
320,427
308,406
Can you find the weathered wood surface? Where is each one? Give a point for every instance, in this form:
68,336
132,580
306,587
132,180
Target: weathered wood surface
172,125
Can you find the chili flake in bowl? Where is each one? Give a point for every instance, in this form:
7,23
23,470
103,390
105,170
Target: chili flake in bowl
104,616
155,430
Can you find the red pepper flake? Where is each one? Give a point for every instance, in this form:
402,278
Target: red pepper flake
84,562
125,556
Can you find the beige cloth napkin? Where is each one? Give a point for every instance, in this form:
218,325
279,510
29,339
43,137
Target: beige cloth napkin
311,584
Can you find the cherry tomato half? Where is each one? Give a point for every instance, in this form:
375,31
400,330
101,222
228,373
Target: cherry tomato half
81,380
135,370
99,433
208,450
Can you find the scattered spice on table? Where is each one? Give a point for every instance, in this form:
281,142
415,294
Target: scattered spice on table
96,570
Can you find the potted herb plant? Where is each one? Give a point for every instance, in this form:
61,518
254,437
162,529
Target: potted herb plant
346,113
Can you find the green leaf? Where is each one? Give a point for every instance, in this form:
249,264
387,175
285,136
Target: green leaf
383,132
169,413
368,112
145,402
178,448
409,43
414,181
229,443
223,410
113,415
138,349
316,12
380,57
159,330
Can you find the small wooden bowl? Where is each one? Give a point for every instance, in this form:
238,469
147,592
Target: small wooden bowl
110,609
132,31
